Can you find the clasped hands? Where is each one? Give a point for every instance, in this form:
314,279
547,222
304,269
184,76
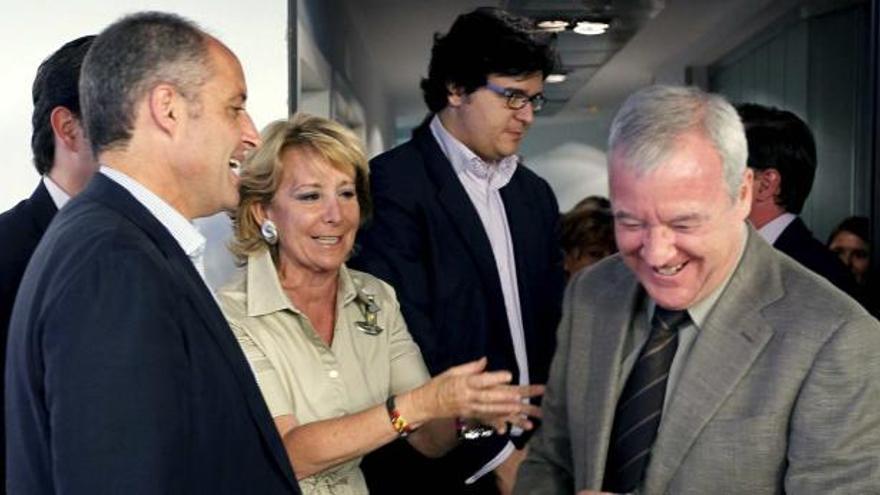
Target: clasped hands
468,391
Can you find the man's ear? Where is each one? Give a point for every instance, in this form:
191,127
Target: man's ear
454,95
745,193
166,107
767,184
66,128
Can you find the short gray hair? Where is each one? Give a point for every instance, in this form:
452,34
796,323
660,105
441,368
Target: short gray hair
127,60
646,127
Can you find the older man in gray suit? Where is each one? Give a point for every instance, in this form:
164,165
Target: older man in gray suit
700,359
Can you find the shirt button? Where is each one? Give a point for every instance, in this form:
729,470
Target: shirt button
333,374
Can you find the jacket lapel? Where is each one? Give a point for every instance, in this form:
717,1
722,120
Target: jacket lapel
220,332
42,209
114,196
596,382
732,337
457,205
520,220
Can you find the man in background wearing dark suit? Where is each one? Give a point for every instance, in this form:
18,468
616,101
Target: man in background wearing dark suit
122,375
782,154
62,156
468,236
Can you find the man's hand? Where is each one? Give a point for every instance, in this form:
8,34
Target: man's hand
505,473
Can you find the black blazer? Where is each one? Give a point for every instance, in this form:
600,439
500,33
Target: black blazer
21,229
427,240
122,375
798,242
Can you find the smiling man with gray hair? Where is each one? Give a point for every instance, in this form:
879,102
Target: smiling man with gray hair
699,359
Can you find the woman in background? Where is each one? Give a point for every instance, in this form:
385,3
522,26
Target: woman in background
336,365
587,233
851,241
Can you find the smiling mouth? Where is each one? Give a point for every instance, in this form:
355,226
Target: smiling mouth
668,271
328,240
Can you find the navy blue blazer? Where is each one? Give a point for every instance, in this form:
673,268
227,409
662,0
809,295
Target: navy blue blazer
426,239
122,375
798,242
21,229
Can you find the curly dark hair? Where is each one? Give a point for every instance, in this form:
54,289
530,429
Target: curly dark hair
486,41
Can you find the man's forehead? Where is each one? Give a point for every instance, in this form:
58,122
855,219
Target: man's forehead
226,67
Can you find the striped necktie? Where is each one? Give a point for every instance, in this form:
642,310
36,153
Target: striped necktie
640,406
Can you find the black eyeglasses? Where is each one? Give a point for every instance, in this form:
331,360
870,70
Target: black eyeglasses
516,99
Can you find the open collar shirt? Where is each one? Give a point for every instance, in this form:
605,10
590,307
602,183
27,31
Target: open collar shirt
774,228
482,182
184,232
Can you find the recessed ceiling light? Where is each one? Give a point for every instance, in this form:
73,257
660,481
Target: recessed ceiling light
554,78
590,28
553,25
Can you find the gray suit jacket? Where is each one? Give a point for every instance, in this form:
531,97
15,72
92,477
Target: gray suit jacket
780,393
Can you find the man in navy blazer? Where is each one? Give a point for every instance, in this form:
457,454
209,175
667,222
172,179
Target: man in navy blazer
782,154
122,374
468,236
62,156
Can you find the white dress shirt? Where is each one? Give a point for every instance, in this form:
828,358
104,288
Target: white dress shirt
59,196
773,229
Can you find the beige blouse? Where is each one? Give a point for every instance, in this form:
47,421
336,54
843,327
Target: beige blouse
298,374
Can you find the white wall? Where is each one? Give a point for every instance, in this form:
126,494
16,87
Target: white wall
570,156
30,31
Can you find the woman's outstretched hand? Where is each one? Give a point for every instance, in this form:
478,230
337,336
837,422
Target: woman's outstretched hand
468,391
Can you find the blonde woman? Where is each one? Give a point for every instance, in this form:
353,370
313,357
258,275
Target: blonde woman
336,365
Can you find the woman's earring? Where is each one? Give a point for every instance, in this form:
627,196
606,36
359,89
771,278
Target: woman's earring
269,232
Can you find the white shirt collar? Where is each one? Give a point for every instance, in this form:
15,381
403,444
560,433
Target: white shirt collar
465,161
773,229
59,196
184,232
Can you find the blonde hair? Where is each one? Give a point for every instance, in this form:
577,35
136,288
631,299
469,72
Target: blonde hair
262,172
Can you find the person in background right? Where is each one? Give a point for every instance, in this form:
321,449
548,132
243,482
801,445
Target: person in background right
587,233
851,242
782,155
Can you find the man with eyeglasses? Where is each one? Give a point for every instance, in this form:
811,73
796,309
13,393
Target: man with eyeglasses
468,236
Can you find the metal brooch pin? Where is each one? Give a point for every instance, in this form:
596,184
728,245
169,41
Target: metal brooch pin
369,309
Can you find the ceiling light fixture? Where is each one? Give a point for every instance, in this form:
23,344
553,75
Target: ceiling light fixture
553,25
554,78
591,28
